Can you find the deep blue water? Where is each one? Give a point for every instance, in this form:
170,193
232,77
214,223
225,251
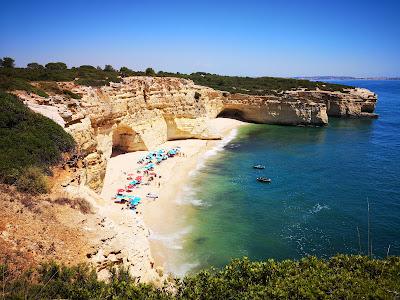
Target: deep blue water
322,179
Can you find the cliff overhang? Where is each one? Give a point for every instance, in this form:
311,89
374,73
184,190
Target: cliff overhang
142,112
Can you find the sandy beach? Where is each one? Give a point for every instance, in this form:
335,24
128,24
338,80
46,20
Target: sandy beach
164,216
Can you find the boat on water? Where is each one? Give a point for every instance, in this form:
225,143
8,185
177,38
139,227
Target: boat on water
260,167
264,179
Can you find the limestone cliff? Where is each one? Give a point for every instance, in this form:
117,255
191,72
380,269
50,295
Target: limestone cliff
143,112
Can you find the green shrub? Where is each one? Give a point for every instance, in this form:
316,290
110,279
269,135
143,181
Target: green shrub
32,181
91,82
7,62
91,76
150,72
341,277
71,94
56,66
28,139
12,84
109,68
34,66
258,85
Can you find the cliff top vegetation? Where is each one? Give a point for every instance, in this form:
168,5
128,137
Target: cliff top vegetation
12,78
29,144
340,277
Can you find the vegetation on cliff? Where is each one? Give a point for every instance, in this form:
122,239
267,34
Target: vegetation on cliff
12,78
259,85
341,277
29,144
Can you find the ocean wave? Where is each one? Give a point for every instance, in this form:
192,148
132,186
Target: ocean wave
181,270
189,201
318,207
171,240
188,197
218,148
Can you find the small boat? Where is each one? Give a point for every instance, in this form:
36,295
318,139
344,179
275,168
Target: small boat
264,179
260,167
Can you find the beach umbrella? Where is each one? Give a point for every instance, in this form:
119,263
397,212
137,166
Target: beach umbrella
120,191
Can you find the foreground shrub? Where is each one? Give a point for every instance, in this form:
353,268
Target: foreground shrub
341,277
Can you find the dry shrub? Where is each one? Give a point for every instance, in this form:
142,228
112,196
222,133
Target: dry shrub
76,203
28,202
32,181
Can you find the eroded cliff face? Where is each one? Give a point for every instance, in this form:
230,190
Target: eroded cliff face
143,112
354,103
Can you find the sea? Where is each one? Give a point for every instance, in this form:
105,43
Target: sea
334,189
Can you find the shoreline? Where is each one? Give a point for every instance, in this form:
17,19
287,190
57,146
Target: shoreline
164,217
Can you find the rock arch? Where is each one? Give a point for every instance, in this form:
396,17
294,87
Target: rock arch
125,139
232,113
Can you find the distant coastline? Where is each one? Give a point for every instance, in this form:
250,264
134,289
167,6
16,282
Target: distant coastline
344,78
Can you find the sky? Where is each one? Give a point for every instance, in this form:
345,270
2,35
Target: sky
248,38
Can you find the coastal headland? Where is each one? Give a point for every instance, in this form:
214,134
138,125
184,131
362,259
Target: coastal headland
115,125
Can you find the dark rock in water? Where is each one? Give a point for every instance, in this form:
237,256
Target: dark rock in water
200,240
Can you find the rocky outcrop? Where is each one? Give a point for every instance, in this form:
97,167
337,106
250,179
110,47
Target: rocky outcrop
284,110
143,112
354,103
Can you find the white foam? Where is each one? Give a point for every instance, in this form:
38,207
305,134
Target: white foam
189,196
182,269
218,148
171,240
318,207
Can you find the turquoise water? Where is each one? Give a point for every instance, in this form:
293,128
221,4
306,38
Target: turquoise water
322,178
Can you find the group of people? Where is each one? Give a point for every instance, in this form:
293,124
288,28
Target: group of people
145,171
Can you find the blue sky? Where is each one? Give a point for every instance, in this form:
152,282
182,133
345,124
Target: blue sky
254,38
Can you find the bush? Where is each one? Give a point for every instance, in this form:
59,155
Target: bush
12,84
258,85
341,277
34,66
56,66
32,181
28,139
71,94
109,68
77,203
150,72
7,62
